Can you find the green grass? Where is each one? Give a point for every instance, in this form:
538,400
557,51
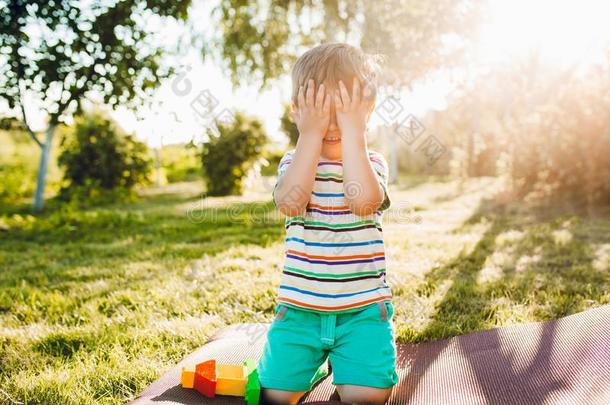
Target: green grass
19,159
96,304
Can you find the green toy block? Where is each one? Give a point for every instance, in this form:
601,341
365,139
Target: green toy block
253,387
320,373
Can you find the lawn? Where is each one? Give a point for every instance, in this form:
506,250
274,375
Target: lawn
96,304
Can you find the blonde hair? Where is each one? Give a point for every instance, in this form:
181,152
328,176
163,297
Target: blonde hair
329,63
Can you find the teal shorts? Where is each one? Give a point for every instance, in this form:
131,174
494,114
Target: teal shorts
359,345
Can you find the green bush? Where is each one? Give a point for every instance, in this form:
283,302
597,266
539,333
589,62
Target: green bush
273,157
227,157
181,163
100,160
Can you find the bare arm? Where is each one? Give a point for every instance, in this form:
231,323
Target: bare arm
361,187
293,189
363,193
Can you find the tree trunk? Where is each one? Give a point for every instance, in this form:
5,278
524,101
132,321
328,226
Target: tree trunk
391,135
42,169
157,167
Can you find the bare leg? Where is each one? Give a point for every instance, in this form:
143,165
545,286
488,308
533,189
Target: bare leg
361,395
280,397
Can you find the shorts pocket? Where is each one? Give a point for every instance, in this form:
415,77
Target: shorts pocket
386,311
280,313
390,307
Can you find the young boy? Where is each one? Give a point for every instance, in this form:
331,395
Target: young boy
334,301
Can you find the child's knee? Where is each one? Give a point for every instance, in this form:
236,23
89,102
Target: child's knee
270,396
356,394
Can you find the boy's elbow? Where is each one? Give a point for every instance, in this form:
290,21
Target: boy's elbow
363,211
366,202
365,208
290,209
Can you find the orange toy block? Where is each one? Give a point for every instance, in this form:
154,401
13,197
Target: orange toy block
188,376
231,379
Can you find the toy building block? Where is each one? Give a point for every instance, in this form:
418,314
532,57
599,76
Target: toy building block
253,387
230,379
210,378
320,373
205,378
188,376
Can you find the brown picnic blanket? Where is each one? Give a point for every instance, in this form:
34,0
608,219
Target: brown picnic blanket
563,361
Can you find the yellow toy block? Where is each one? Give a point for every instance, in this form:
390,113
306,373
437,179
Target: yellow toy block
231,379
188,376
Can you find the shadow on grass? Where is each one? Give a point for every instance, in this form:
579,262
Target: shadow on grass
556,279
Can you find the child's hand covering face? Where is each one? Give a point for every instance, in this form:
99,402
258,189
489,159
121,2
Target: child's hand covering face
352,112
312,116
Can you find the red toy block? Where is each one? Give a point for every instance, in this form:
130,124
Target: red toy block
205,378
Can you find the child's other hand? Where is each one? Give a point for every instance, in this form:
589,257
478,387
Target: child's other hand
352,112
312,116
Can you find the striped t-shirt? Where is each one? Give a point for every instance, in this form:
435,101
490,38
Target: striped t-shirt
334,259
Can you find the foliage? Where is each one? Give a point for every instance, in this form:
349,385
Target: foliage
79,51
290,129
269,35
99,158
12,124
273,158
228,156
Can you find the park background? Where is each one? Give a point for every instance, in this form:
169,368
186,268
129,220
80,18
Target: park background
139,142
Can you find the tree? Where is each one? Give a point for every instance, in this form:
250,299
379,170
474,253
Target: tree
60,50
229,155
